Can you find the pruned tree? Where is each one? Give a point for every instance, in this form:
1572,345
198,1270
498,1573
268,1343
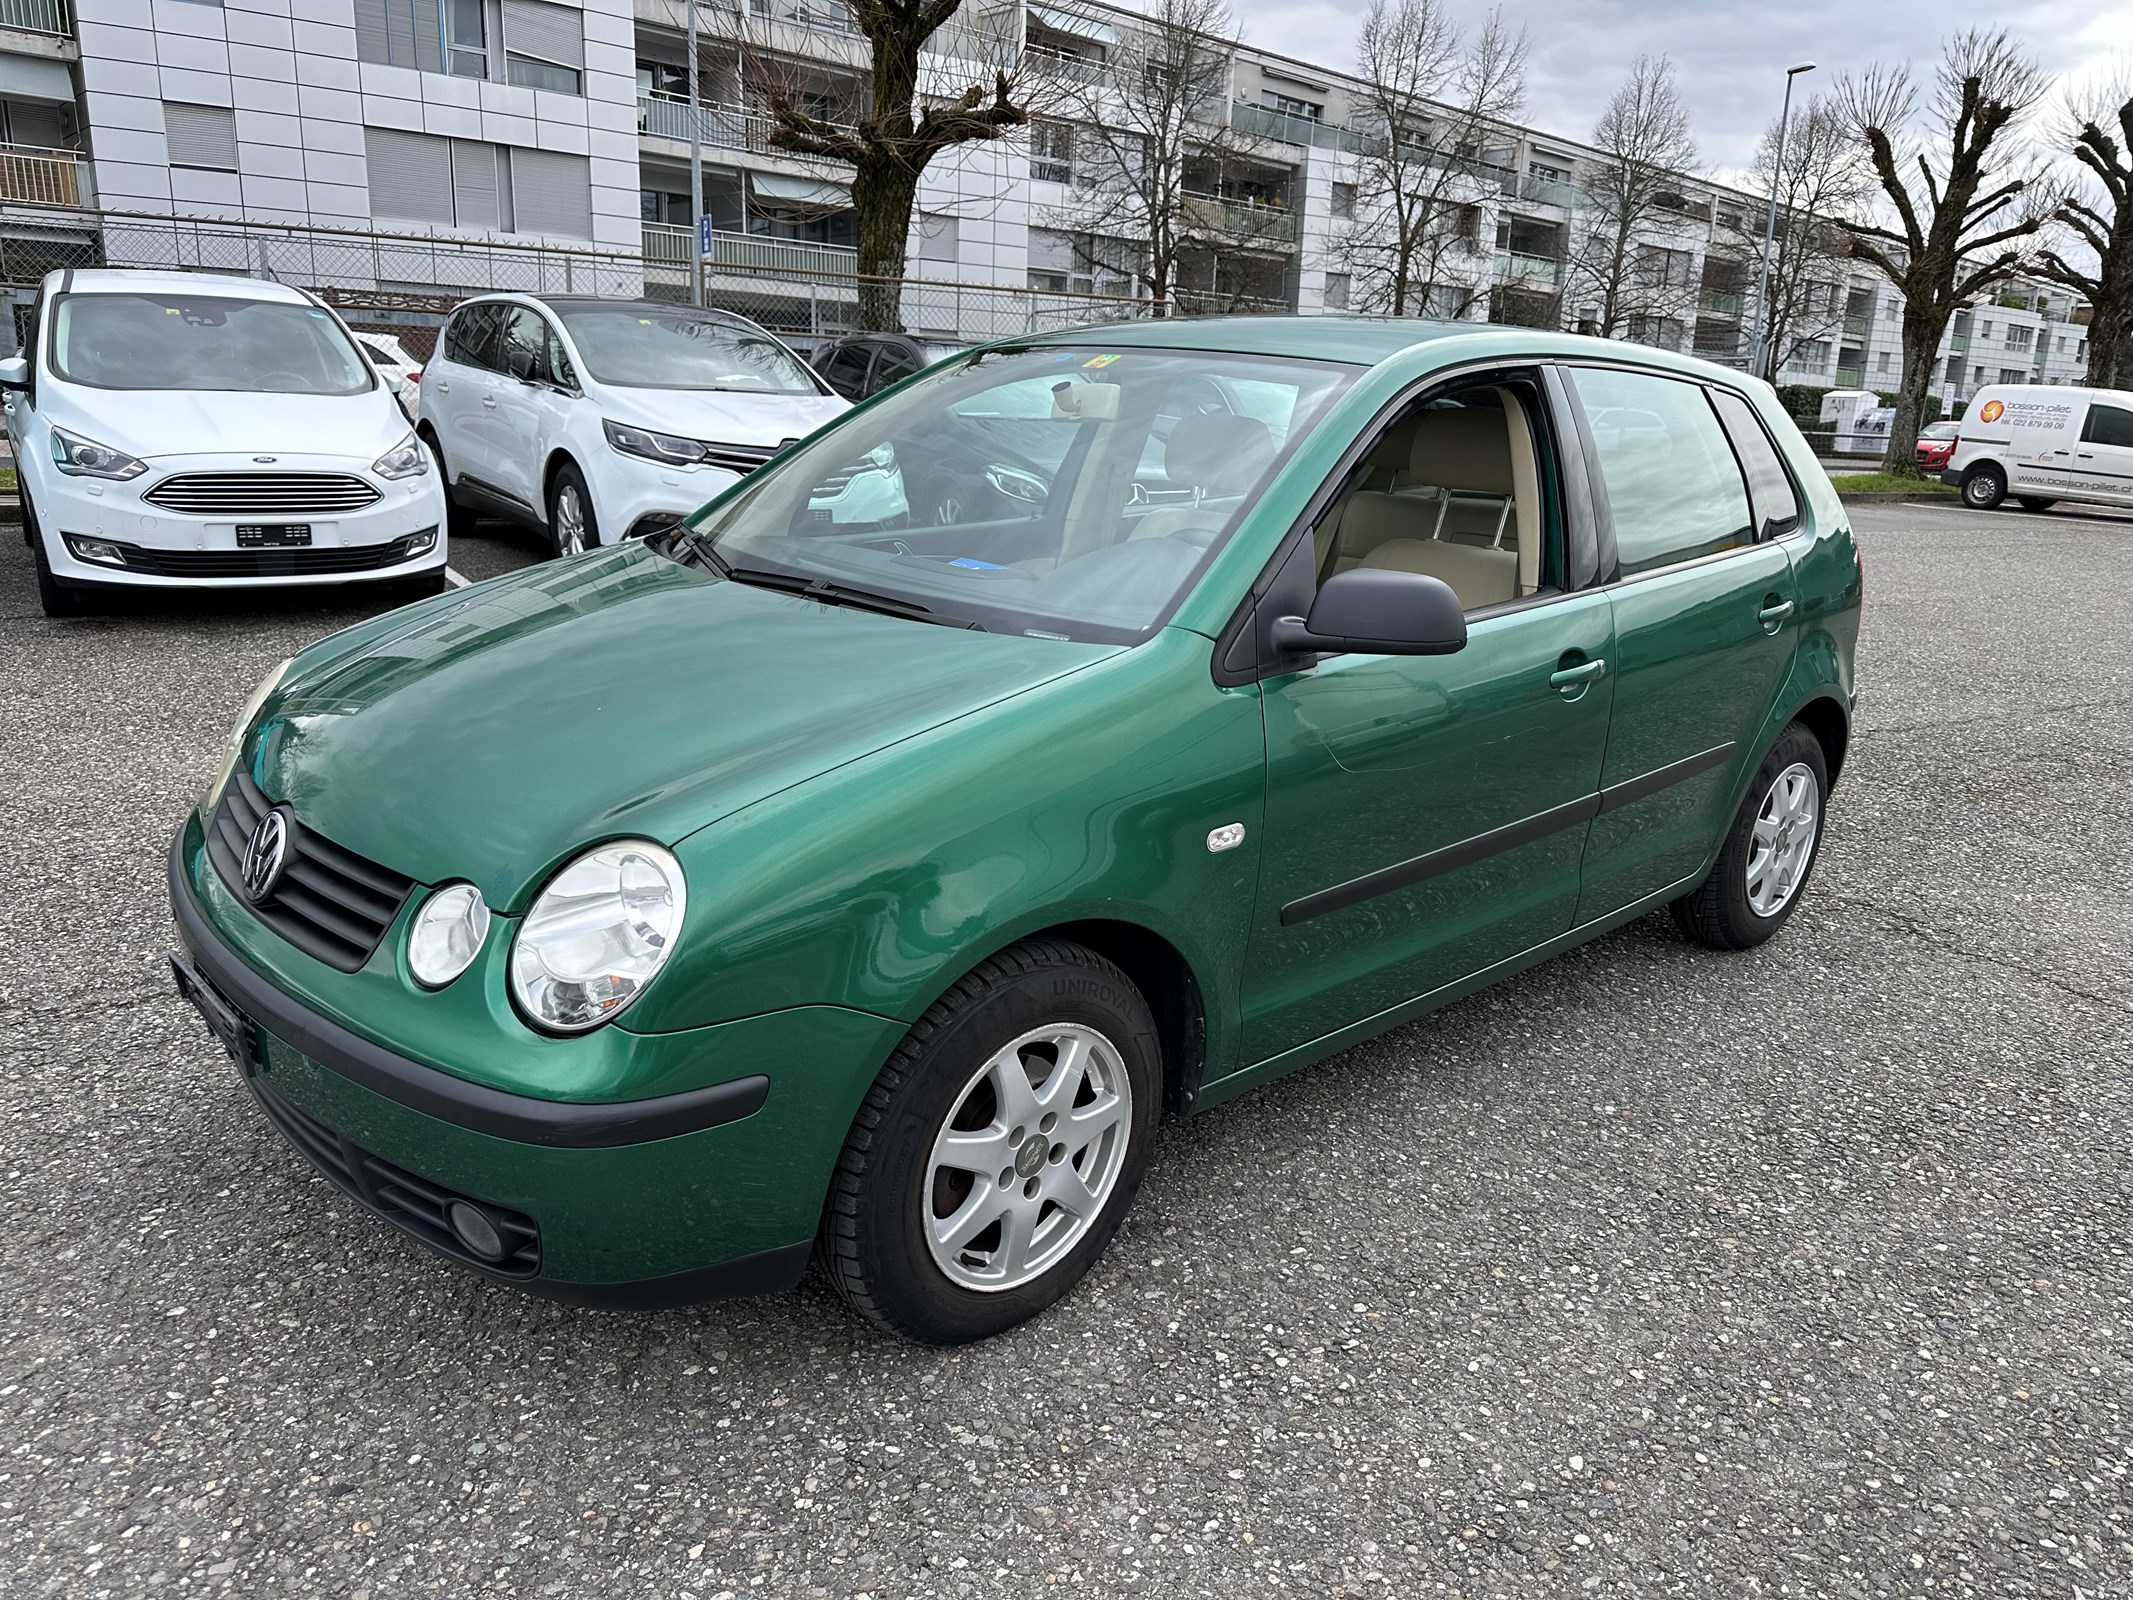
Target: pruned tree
1431,97
905,123
1154,156
1625,272
2100,134
1960,221
1823,184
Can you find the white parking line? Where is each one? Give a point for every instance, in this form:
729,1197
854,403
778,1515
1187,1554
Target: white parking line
457,580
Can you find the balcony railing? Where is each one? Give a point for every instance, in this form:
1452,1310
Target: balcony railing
1546,191
1851,377
1859,327
1242,219
1044,171
42,177
38,16
1532,272
666,116
1289,129
1719,303
666,245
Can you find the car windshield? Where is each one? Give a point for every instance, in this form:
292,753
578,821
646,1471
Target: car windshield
639,347
179,341
1061,492
1940,430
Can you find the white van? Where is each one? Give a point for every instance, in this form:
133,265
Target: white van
2042,445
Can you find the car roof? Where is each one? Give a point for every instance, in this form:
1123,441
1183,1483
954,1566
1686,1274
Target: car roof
125,280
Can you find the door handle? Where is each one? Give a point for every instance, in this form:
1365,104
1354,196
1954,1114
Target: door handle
1774,614
489,400
1572,680
2087,455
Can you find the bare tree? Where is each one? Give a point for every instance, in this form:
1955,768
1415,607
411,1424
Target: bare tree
1432,95
1823,184
1622,265
1958,223
1156,163
2100,134
905,123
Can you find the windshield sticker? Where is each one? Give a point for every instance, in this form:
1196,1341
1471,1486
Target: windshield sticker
1099,361
973,564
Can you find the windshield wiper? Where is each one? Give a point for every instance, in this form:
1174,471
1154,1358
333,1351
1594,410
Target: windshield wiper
685,538
837,594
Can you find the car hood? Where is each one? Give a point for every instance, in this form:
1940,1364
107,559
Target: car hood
154,423
491,733
721,416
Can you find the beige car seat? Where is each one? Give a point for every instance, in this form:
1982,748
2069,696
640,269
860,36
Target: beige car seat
1213,455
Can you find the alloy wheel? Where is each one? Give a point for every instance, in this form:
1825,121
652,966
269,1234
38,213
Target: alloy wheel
569,521
1783,840
1025,1163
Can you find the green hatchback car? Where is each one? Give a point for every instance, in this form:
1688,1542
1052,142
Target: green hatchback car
1185,702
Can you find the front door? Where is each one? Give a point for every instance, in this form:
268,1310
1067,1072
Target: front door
2103,459
1425,816
1704,632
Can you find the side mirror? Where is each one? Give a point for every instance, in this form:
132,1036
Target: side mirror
1374,611
15,372
523,364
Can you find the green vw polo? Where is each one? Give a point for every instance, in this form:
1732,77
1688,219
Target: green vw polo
1091,727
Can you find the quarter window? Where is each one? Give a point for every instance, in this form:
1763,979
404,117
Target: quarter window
2108,425
1672,483
1777,508
471,338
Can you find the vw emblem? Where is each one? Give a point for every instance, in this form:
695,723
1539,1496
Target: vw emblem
264,855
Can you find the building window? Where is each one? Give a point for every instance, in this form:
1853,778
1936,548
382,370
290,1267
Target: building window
2013,375
1344,201
1337,286
1051,151
201,136
1289,106
465,183
936,238
2020,338
1881,362
1546,174
529,42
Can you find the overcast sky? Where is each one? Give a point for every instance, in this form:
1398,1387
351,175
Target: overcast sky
1730,55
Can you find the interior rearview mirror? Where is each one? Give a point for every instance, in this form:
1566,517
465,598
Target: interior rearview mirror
1372,611
1085,402
15,372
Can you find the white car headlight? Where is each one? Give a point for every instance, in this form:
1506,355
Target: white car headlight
85,458
668,449
407,459
597,935
266,687
446,934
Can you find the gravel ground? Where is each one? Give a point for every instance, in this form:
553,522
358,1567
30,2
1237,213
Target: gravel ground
1653,1272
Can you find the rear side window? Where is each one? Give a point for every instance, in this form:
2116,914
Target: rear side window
1777,508
846,370
894,363
470,340
2108,425
1672,483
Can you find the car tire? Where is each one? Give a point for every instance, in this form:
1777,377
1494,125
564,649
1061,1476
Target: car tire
1770,851
1984,487
918,1239
2035,502
572,526
458,520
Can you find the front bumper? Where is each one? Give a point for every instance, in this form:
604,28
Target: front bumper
178,550
685,1197
634,496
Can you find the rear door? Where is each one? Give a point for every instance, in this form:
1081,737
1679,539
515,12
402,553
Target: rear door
1704,631
455,387
2103,460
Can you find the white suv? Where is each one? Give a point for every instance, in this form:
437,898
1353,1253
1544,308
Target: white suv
179,430
598,420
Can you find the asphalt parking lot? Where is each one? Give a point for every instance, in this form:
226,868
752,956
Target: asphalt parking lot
1654,1272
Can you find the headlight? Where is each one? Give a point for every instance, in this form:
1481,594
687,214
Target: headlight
407,459
85,458
446,934
597,935
668,449
237,731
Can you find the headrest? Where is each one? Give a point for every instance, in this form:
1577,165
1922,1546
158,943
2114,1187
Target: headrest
1463,449
1217,451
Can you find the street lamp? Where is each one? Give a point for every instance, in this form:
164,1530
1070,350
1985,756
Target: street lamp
696,172
1777,177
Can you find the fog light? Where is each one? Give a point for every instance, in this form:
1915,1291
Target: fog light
417,543
102,551
472,1227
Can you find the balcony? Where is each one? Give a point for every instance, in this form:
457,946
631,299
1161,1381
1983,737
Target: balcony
1851,377
1242,219
1287,129
1859,327
666,116
1546,191
752,252
39,16
1719,303
39,177
1528,272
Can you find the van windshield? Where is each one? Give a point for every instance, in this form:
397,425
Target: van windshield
1070,493
175,341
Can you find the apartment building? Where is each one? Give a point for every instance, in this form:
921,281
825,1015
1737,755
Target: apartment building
397,153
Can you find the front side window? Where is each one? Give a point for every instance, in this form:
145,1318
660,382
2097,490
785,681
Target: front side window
2108,425
1672,483
1066,493
639,347
170,341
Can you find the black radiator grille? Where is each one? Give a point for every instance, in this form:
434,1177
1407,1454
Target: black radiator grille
288,562
330,902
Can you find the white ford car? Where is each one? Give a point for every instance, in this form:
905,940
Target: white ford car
599,420
179,430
